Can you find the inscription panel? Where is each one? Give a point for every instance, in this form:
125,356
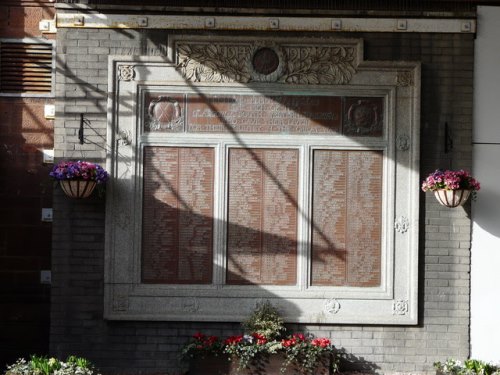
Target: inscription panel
346,218
295,114
262,216
177,227
259,114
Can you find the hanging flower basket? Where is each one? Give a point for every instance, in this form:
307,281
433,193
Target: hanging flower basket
451,188
452,198
78,188
78,179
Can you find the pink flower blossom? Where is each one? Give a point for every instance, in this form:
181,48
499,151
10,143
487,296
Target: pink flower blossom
450,180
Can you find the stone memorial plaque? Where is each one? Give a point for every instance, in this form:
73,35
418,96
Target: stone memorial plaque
215,146
262,216
177,230
347,218
283,114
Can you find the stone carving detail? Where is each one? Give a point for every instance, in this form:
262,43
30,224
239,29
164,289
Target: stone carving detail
221,62
318,65
400,307
404,79
122,219
402,224
364,117
331,306
125,137
265,60
120,302
190,305
214,62
403,142
126,72
164,113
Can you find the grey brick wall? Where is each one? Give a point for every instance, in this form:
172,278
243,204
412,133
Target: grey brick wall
151,347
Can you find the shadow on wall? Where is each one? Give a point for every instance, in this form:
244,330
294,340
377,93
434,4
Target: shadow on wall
261,234
25,188
177,249
487,207
25,240
351,363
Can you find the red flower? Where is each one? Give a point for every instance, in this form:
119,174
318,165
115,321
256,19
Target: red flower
198,336
233,340
322,342
261,340
299,336
210,340
289,342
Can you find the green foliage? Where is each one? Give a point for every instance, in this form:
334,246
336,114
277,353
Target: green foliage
266,321
308,353
480,367
469,367
247,351
40,365
202,345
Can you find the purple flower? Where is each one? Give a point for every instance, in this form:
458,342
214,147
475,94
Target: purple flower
79,170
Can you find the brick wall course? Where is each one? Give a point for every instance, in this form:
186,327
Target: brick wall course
25,189
148,347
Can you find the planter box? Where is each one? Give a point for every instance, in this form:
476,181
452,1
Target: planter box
265,365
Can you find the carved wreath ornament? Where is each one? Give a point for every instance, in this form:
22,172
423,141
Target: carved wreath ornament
221,62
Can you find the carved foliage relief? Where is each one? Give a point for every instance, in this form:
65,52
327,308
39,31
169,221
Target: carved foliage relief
260,62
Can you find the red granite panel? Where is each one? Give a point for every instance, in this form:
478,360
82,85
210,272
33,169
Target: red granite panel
283,114
346,218
328,218
262,216
177,215
364,218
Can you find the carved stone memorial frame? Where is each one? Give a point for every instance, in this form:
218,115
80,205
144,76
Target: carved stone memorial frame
346,105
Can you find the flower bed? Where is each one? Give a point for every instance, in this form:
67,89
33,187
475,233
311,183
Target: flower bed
468,367
38,365
263,364
261,350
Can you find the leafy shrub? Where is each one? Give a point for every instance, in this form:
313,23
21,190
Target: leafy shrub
468,367
38,365
265,321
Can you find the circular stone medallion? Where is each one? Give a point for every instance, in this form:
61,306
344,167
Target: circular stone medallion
265,61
